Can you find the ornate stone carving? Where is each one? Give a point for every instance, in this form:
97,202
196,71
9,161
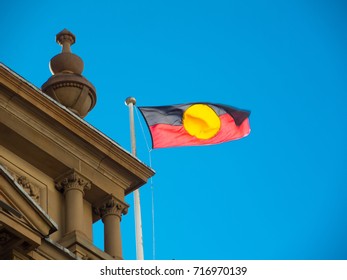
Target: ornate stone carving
30,188
112,206
72,180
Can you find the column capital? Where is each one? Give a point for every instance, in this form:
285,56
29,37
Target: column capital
111,206
72,180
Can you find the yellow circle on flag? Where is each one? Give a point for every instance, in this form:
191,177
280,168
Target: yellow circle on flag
201,121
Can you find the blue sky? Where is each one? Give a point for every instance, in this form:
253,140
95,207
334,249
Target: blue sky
279,193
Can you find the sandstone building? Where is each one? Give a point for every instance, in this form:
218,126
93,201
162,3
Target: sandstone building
58,174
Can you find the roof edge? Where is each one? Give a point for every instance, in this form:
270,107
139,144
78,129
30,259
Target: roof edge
77,125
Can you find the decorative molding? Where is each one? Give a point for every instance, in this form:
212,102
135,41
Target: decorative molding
67,84
111,206
72,181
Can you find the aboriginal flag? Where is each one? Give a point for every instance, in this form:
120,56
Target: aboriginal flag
195,124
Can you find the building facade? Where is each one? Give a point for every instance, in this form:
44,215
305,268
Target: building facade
58,174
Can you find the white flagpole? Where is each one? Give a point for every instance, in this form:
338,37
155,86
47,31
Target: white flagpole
130,102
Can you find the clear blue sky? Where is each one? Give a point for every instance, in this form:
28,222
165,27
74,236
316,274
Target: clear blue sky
281,192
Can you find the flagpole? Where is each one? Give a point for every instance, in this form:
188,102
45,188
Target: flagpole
130,102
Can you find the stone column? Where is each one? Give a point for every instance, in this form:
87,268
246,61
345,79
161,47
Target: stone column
111,214
73,186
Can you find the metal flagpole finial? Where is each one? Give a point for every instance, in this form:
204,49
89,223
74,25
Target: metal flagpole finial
130,100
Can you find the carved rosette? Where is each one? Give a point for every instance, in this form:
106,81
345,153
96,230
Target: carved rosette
72,181
112,206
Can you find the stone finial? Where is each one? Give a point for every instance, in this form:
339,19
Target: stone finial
66,62
65,38
67,85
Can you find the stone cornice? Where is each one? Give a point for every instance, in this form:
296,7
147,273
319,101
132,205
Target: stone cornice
58,113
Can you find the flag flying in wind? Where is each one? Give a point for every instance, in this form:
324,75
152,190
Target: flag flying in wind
195,124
